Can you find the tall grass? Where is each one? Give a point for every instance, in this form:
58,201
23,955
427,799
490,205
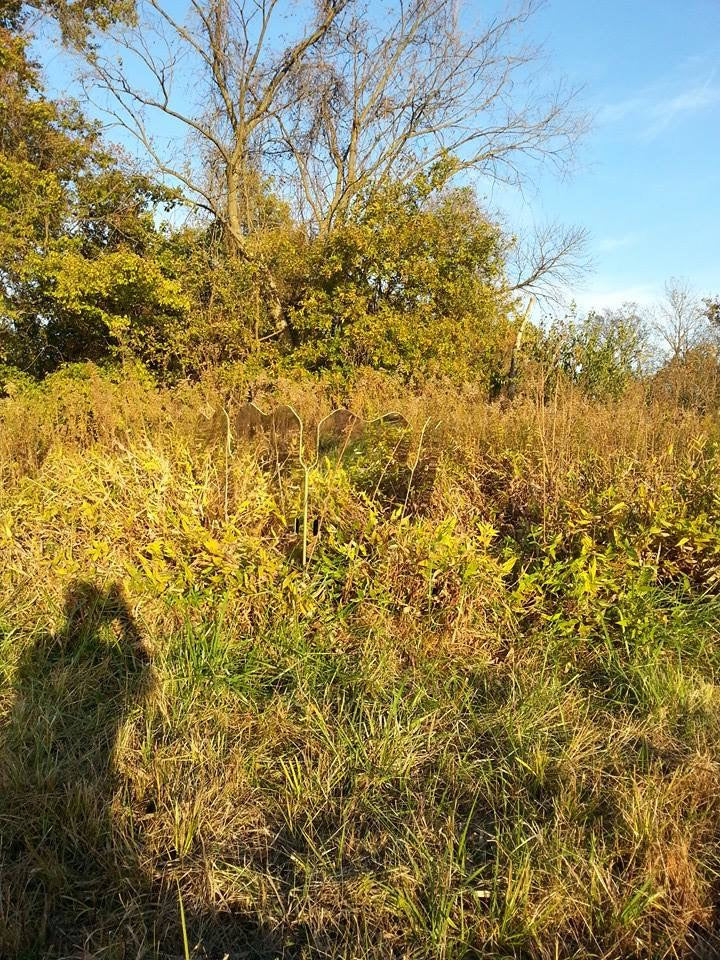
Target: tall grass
485,725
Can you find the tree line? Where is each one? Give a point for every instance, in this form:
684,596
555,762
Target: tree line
256,181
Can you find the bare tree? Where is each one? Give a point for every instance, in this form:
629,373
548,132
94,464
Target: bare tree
395,95
218,80
348,100
681,320
546,263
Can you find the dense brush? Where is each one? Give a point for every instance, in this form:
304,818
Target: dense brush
487,727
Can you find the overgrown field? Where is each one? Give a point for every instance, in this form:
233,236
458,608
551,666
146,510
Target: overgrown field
481,721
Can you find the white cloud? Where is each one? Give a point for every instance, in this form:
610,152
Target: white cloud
621,110
612,243
665,112
655,110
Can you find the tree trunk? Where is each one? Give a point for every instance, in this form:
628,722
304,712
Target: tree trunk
514,371
236,244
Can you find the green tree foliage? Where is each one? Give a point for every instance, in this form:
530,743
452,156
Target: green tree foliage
412,282
600,353
81,260
230,316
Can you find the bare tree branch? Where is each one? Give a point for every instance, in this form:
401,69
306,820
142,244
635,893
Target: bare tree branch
216,78
681,321
350,101
549,262
393,99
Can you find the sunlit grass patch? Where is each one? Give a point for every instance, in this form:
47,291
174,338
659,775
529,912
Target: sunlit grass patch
489,728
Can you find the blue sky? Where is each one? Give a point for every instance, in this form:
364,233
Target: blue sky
647,181
646,184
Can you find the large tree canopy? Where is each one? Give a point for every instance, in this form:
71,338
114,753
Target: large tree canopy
329,99
316,161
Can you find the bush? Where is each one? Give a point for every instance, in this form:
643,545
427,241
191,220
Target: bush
602,354
413,284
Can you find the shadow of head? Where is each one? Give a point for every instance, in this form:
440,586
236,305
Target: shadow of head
89,609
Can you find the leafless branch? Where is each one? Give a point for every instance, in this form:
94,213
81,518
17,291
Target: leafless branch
343,103
392,99
681,321
549,262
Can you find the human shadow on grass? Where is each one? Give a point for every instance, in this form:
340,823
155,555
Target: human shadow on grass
69,885
75,876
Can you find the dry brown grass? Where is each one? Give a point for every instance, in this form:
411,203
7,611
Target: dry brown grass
488,727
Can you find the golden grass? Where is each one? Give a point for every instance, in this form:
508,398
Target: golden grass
487,725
